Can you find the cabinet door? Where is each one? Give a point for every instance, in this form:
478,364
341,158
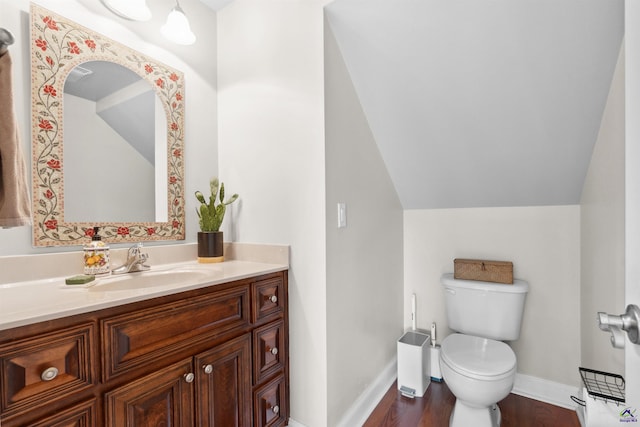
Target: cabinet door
224,384
163,398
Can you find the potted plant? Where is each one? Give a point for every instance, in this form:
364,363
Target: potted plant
210,238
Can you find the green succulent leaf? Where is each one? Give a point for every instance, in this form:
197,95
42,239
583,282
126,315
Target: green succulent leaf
232,199
211,215
205,218
213,185
212,206
200,197
219,216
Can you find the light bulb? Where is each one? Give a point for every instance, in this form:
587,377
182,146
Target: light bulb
177,28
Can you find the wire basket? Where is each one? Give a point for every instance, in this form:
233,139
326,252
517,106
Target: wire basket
603,385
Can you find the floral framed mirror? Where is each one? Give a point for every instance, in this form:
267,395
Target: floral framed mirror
107,138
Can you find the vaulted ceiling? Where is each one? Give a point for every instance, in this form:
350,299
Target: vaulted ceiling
478,103
481,103
216,4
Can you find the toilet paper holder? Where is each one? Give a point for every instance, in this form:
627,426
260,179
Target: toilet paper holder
627,322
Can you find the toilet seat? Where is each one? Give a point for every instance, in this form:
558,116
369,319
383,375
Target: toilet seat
478,358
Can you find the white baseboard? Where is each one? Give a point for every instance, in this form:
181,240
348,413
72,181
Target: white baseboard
367,401
557,394
370,397
294,423
551,392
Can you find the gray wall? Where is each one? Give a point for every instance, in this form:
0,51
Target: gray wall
602,233
364,259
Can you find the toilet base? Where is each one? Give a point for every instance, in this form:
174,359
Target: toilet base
464,415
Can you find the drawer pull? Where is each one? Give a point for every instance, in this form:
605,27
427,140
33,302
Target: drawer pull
189,377
207,369
49,374
273,299
275,409
274,351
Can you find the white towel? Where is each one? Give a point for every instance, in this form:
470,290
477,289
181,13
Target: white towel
15,207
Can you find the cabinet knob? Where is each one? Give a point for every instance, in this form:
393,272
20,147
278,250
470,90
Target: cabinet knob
207,369
276,409
274,350
49,374
273,299
189,377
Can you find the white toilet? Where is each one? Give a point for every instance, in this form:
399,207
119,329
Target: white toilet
477,367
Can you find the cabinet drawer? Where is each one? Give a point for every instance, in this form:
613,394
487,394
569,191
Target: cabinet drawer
268,298
268,351
269,403
136,339
37,371
81,415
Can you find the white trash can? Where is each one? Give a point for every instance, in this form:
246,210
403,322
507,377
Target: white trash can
414,367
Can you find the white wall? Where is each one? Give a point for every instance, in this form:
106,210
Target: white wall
364,259
544,245
198,62
602,233
271,133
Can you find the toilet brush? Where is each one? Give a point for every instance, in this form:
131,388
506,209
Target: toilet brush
435,356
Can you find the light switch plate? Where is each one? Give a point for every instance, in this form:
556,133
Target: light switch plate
342,215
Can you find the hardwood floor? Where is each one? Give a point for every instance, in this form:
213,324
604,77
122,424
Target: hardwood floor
434,408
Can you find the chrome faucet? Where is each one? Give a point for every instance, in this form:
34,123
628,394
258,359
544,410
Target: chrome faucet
135,261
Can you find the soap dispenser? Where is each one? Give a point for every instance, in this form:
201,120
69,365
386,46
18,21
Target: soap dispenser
96,255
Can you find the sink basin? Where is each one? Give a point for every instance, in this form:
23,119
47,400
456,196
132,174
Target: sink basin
151,279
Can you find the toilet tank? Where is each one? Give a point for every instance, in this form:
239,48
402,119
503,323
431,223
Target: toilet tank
484,309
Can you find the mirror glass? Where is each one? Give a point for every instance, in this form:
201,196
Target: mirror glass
107,138
113,117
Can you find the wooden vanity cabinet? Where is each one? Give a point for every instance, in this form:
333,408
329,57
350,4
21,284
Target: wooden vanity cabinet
216,356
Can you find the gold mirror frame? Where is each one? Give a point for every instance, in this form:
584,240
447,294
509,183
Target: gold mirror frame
57,46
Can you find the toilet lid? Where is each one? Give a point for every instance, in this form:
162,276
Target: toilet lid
477,357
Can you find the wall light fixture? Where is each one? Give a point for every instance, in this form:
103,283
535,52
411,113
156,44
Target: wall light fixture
134,10
176,29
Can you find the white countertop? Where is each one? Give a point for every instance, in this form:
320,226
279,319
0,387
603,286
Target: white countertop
28,302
